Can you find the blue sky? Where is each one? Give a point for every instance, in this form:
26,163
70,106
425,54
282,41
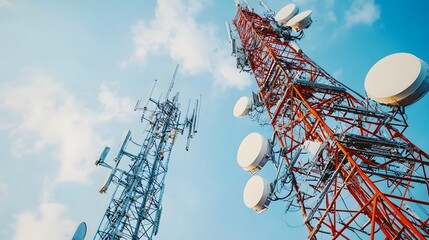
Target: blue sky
71,72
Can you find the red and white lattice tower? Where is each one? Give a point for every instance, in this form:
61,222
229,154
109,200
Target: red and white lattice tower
366,179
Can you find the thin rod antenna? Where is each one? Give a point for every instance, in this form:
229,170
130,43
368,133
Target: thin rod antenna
147,101
247,4
172,82
198,110
150,95
265,6
187,110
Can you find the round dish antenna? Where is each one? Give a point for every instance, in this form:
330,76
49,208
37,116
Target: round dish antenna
242,107
256,193
80,232
286,13
399,79
253,152
300,21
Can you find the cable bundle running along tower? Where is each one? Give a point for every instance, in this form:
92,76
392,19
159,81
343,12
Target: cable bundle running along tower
361,177
140,168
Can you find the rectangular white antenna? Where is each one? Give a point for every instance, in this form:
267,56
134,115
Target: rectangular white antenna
231,39
228,29
192,122
103,156
187,110
197,114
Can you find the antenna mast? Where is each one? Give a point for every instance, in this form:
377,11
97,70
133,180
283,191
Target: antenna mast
364,178
170,87
138,171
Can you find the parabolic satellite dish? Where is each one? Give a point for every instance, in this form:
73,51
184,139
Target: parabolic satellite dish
256,193
398,79
286,13
242,107
253,152
300,21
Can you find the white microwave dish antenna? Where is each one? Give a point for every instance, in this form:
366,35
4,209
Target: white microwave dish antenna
253,152
256,193
300,21
242,107
398,79
286,13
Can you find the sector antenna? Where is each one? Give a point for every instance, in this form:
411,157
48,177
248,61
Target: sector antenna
340,158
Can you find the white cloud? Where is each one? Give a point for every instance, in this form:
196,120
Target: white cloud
47,223
5,3
226,75
174,30
51,116
113,107
195,45
362,12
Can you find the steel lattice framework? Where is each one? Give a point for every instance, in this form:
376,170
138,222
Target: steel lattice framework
135,208
367,179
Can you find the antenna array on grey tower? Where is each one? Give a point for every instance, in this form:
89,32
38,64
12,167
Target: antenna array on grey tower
137,173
